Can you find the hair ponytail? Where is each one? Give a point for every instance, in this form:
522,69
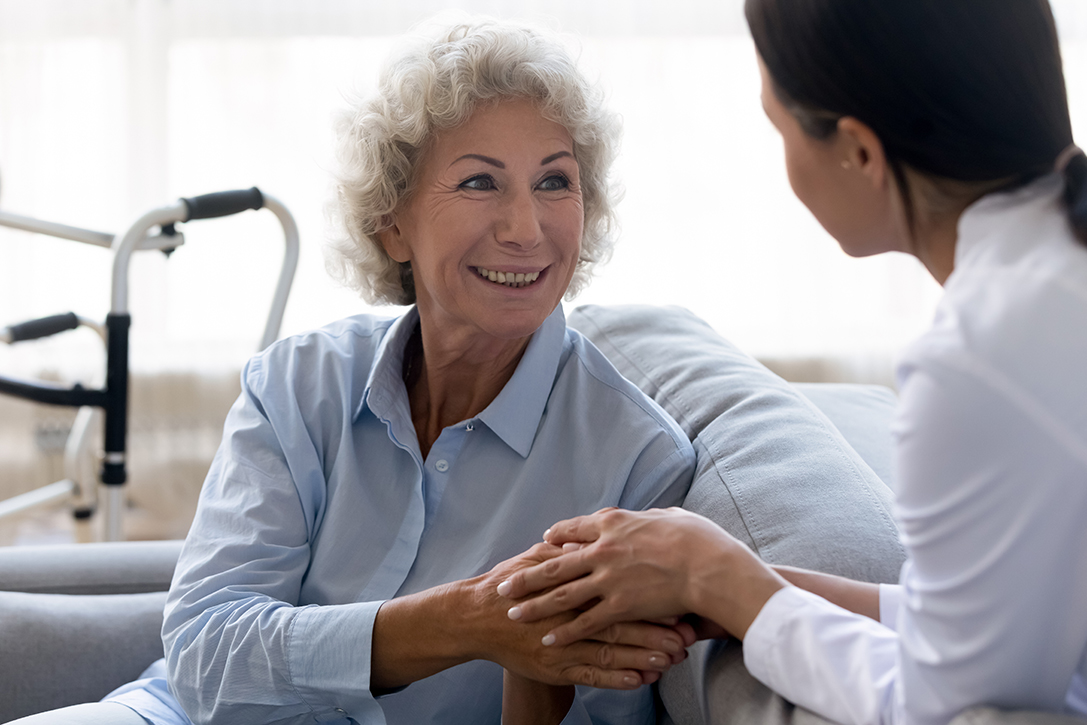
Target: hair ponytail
1073,166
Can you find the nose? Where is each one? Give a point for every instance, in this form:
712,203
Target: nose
519,221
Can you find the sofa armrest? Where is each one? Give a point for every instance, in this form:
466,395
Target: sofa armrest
128,567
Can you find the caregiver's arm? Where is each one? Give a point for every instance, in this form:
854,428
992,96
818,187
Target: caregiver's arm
664,563
645,565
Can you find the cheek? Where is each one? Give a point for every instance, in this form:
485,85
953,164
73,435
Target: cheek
801,177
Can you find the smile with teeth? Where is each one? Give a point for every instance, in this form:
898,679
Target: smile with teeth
508,278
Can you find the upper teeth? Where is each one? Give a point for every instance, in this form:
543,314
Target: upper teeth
509,278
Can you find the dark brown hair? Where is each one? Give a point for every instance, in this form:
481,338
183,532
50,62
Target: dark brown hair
968,90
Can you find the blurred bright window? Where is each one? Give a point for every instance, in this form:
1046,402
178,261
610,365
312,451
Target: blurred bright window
111,107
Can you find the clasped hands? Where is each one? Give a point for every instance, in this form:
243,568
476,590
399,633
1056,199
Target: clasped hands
617,567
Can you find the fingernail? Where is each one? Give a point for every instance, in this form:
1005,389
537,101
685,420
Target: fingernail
671,646
658,662
504,588
514,613
631,681
548,639
570,546
546,533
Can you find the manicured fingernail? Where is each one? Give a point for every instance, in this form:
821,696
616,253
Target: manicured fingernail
514,613
504,588
548,639
658,662
631,681
570,546
546,533
672,646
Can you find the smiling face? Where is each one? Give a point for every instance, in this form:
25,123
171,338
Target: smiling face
493,228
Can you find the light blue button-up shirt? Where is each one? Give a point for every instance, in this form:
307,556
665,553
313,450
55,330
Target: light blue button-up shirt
319,506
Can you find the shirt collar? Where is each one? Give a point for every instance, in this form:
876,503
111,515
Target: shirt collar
514,415
1006,214
385,394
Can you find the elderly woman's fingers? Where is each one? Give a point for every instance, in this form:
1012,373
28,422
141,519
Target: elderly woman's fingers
555,570
602,658
648,636
587,625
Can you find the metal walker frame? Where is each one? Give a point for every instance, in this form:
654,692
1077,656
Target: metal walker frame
111,399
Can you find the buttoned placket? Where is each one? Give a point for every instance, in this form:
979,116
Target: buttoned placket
439,464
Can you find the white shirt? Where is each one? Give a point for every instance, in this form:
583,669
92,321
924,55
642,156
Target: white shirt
991,499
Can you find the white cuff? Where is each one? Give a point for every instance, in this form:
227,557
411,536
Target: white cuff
890,596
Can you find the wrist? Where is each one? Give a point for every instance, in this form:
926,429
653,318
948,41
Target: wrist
416,636
732,587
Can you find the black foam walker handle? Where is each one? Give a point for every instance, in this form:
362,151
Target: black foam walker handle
223,203
116,403
43,327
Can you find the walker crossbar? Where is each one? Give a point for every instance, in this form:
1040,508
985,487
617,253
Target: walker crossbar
113,398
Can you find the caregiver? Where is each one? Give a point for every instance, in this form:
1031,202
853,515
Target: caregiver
939,128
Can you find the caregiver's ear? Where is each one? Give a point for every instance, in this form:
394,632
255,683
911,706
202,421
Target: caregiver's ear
862,150
392,240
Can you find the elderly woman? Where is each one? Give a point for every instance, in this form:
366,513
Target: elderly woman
374,474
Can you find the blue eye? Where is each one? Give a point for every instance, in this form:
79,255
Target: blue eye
483,182
557,182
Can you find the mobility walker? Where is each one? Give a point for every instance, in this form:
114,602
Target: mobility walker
154,230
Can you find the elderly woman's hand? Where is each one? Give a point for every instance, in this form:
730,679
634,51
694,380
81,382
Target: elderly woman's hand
624,655
623,566
420,634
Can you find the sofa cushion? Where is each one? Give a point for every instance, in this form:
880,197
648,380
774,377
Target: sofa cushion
772,470
103,568
64,649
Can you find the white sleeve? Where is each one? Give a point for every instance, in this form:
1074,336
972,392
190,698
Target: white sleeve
890,598
990,608
991,504
815,654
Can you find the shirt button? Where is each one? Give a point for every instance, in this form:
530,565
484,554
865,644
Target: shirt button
442,465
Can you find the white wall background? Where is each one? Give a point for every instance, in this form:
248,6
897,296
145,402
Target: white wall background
111,107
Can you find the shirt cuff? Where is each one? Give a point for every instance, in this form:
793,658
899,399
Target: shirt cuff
329,659
890,596
836,663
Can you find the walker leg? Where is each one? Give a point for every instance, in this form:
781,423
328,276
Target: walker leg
115,501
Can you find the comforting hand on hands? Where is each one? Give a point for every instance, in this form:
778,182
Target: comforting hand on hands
657,565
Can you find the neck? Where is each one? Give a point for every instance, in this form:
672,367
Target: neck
935,247
939,204
453,378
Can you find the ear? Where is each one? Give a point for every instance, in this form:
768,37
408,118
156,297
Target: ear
861,149
393,241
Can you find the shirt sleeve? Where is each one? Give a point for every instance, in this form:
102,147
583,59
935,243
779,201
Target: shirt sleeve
815,654
890,598
993,530
238,648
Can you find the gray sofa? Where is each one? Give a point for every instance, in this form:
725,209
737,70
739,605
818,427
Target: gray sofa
801,473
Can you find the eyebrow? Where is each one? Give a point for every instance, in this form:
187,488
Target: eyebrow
499,164
552,157
484,159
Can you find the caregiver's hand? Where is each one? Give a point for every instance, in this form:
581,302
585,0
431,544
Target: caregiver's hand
623,566
625,655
